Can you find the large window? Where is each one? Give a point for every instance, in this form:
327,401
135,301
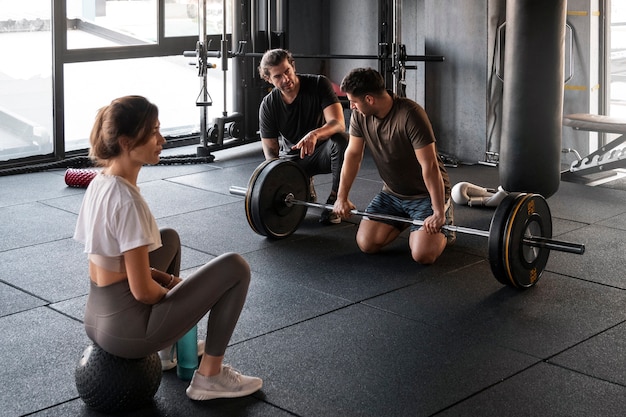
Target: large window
104,49
135,22
25,79
617,62
169,82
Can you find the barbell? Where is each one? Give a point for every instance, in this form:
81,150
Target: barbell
519,236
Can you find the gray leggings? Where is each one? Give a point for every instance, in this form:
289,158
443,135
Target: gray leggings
125,327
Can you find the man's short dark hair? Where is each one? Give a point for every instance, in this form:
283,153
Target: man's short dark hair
362,81
272,58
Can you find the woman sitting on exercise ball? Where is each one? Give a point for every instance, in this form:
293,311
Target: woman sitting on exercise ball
137,304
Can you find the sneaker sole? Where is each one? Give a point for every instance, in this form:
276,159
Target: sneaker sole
202,395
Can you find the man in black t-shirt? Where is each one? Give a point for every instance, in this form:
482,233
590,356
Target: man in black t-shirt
302,119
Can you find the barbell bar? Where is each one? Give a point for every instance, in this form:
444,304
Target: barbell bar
535,241
520,233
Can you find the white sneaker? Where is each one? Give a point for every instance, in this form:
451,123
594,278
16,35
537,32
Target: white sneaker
229,383
169,360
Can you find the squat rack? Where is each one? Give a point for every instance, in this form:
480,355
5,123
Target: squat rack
240,126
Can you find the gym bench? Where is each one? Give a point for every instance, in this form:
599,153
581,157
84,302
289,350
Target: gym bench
610,157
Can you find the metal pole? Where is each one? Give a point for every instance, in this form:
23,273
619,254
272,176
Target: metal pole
409,58
280,21
269,24
224,51
253,23
289,200
397,44
202,49
535,241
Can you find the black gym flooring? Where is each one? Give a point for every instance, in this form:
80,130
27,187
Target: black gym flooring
334,332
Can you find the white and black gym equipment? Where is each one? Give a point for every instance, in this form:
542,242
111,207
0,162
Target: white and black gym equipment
520,235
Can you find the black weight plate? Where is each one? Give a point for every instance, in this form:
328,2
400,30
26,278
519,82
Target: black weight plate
213,134
234,130
496,237
523,264
249,203
255,188
266,210
252,197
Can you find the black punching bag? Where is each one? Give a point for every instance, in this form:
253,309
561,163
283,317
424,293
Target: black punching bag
530,146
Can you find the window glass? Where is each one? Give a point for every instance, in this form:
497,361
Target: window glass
25,79
123,22
169,82
181,18
617,64
214,15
